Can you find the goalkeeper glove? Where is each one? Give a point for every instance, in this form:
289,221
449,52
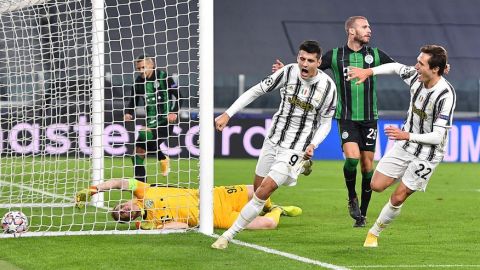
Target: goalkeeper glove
145,225
83,196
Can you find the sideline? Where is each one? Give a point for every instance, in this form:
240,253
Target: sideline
287,255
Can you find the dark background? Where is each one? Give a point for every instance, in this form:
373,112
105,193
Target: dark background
250,35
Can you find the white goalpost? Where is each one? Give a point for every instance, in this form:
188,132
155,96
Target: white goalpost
67,74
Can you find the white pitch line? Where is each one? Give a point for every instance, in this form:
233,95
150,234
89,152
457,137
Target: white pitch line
53,195
287,255
33,205
418,266
36,190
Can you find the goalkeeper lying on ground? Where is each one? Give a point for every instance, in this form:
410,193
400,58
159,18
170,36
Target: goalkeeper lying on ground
177,208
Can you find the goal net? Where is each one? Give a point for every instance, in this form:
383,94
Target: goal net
67,74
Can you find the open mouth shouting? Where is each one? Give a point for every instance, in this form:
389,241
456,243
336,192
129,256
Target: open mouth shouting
304,73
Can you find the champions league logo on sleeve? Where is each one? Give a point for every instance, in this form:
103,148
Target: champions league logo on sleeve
268,81
407,72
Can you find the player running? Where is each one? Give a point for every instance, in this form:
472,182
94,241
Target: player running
421,144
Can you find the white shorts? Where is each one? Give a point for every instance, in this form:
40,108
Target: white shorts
399,164
279,163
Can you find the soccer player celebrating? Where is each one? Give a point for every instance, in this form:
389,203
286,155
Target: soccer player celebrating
177,208
301,123
357,112
420,145
160,95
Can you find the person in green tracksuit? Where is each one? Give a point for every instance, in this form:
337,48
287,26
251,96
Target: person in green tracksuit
159,94
356,111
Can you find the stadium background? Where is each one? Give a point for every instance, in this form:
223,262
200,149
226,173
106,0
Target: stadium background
249,36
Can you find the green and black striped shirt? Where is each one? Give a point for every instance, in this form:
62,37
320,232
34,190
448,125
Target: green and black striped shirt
355,102
160,96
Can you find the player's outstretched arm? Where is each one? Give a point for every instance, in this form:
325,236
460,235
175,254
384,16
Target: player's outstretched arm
359,73
221,121
362,74
83,196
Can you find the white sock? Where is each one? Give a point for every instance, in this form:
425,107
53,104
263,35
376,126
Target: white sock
387,215
249,212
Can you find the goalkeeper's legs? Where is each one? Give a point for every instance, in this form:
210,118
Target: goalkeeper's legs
249,212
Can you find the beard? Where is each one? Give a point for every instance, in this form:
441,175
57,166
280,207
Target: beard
361,40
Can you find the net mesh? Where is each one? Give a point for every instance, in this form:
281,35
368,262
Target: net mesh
46,105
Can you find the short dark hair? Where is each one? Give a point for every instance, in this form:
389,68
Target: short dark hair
311,46
351,20
438,57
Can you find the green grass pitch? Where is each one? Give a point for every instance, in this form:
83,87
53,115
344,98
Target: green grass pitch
438,229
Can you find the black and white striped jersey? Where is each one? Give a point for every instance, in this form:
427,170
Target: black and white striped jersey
304,103
428,108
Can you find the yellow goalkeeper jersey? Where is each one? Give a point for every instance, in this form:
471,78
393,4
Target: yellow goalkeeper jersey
164,204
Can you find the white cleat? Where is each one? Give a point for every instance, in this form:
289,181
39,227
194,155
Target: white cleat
221,243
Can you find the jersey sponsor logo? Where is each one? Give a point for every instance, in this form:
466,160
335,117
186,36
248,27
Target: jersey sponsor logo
419,112
368,59
344,135
302,104
268,81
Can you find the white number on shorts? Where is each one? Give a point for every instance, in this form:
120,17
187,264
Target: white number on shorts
293,160
372,133
422,174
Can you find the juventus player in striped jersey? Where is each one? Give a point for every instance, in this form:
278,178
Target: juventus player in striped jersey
420,145
301,123
357,112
